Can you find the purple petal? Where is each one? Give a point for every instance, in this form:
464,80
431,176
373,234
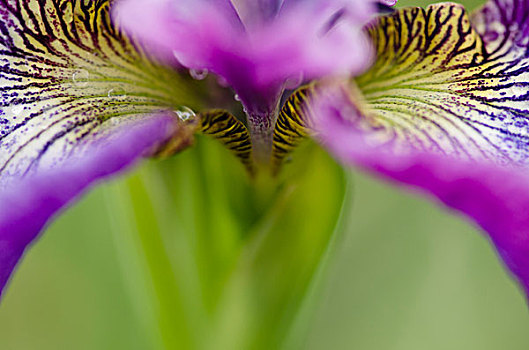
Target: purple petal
256,60
77,104
514,28
452,91
29,203
445,111
57,88
494,197
258,11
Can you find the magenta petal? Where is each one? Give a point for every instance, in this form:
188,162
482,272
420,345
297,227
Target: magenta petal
257,58
28,203
445,111
493,196
258,11
388,2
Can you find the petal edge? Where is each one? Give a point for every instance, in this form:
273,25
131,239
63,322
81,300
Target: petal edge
29,203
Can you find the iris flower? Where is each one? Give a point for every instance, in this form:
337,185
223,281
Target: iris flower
435,99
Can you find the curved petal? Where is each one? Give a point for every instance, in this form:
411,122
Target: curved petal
67,74
494,197
256,60
77,103
28,203
444,87
446,111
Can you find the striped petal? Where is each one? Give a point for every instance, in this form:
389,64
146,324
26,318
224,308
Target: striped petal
29,202
446,109
444,87
78,101
268,47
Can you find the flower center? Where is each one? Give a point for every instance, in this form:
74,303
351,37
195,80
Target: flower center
259,47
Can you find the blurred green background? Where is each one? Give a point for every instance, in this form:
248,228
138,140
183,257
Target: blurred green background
406,276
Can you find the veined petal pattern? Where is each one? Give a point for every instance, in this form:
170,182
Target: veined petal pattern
440,84
79,101
446,112
66,74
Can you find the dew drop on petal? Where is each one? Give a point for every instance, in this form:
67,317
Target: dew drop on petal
198,74
117,92
237,98
185,113
80,78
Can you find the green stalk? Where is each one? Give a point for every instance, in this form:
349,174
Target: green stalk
220,261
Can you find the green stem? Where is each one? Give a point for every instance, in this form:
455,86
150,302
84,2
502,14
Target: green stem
218,261
142,246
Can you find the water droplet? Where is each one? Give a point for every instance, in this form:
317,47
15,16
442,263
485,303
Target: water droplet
237,98
80,78
185,113
198,74
117,92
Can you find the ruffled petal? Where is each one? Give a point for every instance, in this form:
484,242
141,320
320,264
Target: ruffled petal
303,40
445,109
78,102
